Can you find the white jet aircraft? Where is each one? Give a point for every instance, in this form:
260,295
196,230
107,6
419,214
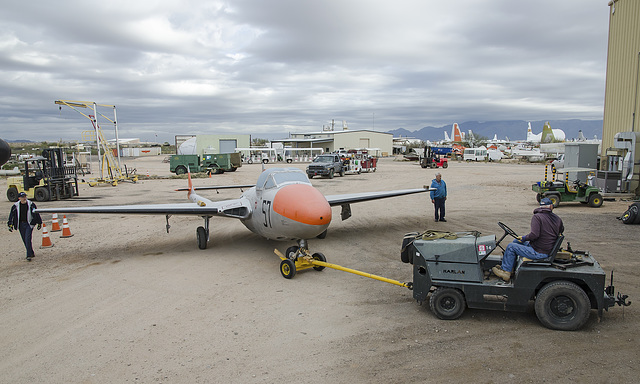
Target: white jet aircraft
283,205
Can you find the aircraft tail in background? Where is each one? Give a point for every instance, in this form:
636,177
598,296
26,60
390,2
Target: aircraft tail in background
456,134
547,134
446,137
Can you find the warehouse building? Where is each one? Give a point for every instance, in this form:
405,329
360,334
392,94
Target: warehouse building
622,91
376,143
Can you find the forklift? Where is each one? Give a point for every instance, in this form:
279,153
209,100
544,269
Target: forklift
429,159
45,178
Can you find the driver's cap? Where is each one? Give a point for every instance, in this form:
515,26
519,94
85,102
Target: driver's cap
546,201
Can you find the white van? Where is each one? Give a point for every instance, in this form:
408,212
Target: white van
475,154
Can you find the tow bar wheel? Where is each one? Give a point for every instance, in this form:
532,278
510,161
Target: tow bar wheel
288,268
447,303
562,305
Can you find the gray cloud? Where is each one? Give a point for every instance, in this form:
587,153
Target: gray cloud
281,66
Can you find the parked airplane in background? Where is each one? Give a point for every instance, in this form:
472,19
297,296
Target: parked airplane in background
547,135
283,205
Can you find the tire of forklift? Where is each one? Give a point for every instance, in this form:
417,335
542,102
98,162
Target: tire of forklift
595,200
555,199
287,269
447,303
445,164
433,165
320,257
41,194
562,305
12,194
201,236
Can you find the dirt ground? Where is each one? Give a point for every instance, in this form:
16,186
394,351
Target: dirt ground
123,301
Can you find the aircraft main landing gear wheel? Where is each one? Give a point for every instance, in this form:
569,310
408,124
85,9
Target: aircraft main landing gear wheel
320,257
288,268
201,235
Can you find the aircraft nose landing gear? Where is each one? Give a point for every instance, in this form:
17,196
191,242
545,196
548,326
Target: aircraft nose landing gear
297,258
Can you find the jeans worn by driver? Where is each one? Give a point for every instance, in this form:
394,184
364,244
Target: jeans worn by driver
522,249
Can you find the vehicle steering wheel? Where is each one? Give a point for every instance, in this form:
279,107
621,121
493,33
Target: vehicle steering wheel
507,230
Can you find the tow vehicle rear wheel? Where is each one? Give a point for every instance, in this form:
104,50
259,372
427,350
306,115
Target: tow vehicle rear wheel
562,305
538,197
201,235
181,170
287,268
447,303
320,257
595,200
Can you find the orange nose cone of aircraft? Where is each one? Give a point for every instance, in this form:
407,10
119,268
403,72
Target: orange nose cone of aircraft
302,203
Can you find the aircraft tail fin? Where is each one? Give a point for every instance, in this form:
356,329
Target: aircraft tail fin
190,184
446,137
457,135
547,134
581,136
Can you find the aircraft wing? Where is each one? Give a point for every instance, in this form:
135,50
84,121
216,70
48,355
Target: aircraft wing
238,208
219,187
366,196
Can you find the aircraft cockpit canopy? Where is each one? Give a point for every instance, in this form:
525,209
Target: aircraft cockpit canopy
275,177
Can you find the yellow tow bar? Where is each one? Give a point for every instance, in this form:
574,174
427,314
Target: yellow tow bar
289,267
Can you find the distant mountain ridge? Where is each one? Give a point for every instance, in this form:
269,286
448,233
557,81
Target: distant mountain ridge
514,129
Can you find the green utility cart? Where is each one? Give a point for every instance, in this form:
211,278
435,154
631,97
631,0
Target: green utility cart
559,189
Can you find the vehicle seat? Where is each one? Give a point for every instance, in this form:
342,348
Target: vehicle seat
549,259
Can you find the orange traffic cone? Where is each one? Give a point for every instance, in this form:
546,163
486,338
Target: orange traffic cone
66,232
55,226
46,240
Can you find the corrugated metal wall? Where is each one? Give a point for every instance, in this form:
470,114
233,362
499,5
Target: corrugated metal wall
622,98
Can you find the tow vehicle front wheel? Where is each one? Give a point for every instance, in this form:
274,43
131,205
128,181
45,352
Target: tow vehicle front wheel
447,303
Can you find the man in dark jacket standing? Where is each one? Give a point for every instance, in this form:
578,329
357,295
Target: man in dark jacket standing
438,196
546,227
23,218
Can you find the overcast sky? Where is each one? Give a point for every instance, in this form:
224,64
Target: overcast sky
265,66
